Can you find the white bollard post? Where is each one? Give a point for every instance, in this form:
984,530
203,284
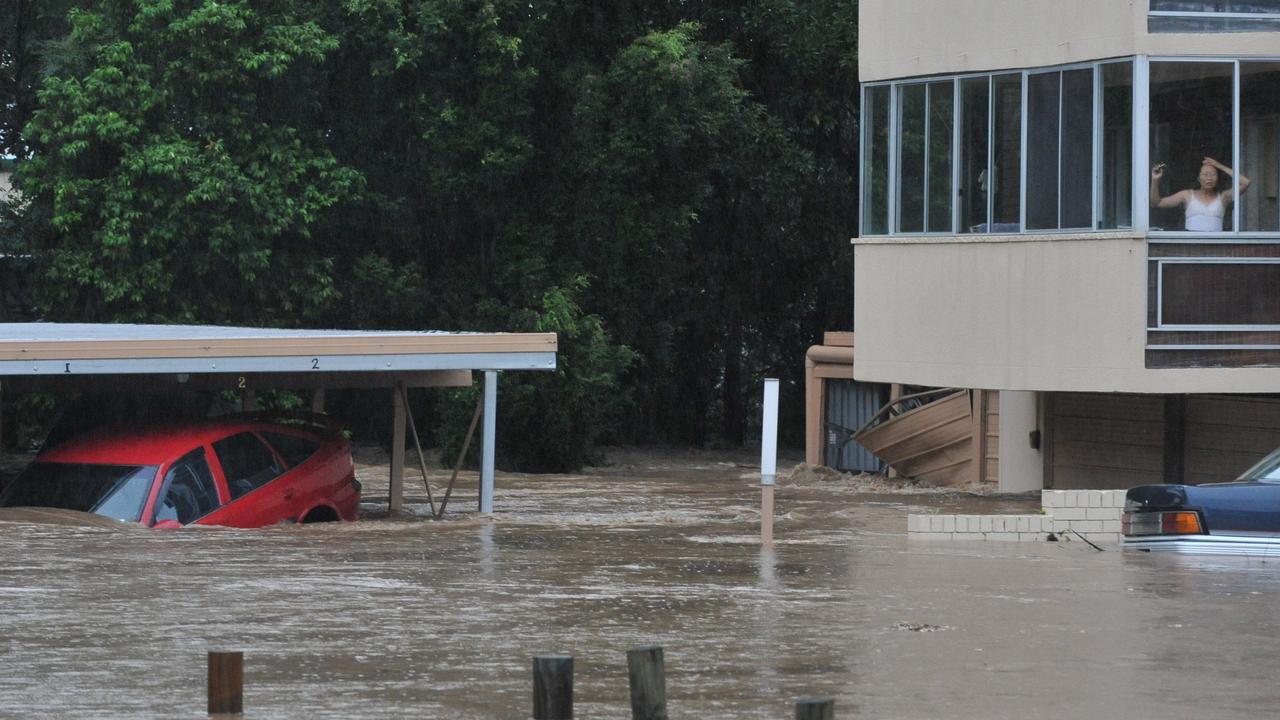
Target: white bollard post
489,439
768,459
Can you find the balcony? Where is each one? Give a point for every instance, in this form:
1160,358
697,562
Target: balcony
1072,228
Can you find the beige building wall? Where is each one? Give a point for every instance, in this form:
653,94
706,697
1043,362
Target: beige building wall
908,38
1031,312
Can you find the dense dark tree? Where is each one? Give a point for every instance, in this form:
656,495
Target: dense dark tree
668,185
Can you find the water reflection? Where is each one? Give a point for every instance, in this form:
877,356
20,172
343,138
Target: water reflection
488,550
768,567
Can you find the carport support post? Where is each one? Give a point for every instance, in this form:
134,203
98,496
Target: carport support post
490,434
395,487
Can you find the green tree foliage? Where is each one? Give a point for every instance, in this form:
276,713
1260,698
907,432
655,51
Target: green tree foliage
581,400
667,185
178,170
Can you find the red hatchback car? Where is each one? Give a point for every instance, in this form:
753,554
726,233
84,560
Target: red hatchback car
241,471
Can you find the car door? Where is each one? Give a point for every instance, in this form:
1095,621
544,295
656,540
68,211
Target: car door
188,492
252,472
305,473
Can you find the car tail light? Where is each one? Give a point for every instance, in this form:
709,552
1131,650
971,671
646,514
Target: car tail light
1180,522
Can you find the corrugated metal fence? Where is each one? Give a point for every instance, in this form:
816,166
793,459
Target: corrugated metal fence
849,405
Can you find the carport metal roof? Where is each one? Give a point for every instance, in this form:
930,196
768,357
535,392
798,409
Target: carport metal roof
56,348
45,356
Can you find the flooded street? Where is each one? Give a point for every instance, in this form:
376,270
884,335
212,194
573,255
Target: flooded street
384,618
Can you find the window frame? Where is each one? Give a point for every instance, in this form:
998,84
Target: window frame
1095,154
164,481
957,82
896,151
1228,21
281,465
1140,83
1183,236
1161,325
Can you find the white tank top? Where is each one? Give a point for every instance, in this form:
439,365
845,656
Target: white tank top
1205,217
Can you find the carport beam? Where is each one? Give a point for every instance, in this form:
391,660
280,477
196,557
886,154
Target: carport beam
490,432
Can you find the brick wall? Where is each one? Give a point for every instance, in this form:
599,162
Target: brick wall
1065,515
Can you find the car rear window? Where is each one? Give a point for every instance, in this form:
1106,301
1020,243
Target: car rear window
189,490
292,448
247,463
116,491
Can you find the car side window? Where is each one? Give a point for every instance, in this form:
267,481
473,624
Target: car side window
189,490
247,463
292,448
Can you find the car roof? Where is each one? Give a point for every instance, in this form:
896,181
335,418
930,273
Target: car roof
149,443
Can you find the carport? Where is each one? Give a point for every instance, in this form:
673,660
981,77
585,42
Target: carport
58,357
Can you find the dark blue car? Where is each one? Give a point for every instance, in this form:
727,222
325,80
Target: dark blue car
1235,518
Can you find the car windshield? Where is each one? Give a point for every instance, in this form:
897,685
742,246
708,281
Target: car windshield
1266,471
116,491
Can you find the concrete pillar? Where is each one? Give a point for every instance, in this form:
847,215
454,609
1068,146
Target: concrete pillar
1021,466
490,434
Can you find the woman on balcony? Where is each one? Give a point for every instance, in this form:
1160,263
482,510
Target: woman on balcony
1206,206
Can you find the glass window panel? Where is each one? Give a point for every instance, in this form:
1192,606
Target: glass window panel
295,450
1117,145
875,168
1219,6
1076,181
1178,24
1222,16
1043,108
246,463
911,158
1190,120
1006,161
190,492
1220,294
941,140
1260,144
974,106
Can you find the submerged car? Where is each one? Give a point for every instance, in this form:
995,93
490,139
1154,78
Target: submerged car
239,471
1233,518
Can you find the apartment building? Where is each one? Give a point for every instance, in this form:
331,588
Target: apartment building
1075,204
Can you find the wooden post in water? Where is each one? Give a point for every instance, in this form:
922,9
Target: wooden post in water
552,687
226,683
647,675
815,709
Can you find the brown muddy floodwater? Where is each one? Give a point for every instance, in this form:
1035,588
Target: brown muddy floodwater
401,619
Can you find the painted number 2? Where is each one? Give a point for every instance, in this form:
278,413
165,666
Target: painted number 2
315,363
